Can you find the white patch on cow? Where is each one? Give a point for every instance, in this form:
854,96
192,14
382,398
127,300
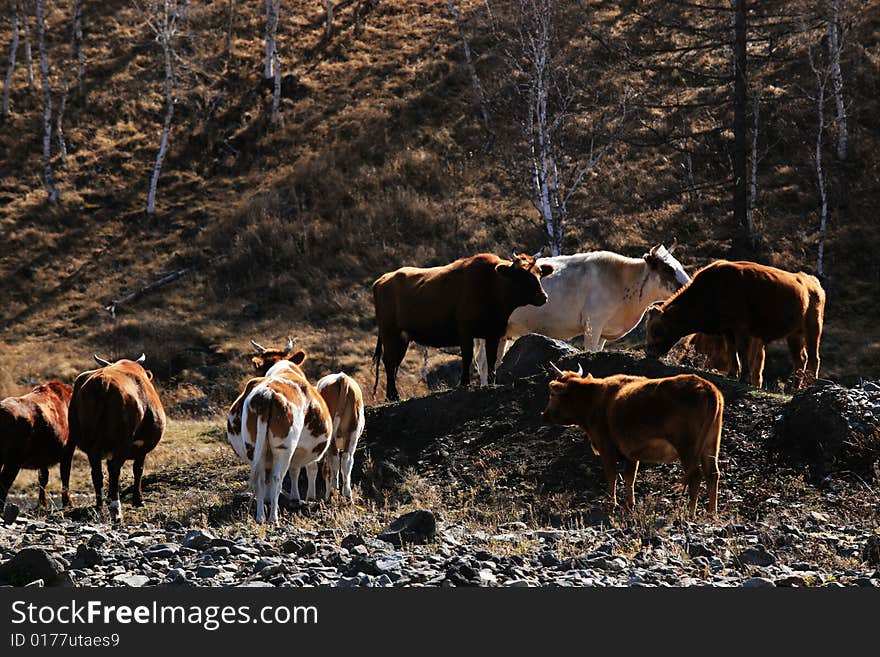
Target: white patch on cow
115,509
600,295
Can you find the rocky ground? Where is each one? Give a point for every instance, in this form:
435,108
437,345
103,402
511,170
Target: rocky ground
506,501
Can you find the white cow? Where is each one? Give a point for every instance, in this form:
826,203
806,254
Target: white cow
600,295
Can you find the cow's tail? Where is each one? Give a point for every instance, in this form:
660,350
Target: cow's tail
377,358
261,404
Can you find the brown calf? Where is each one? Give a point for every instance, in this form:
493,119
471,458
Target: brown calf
654,420
717,353
741,301
346,404
33,432
115,413
451,306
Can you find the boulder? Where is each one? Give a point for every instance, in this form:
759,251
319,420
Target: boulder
31,564
416,527
831,428
10,513
530,355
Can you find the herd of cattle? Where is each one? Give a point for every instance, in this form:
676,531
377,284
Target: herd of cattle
281,423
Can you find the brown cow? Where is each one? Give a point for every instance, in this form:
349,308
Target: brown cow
744,300
450,306
654,420
33,432
346,404
115,413
717,355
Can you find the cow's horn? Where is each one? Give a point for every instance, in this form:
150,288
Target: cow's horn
580,370
674,244
141,358
258,347
101,361
556,369
290,342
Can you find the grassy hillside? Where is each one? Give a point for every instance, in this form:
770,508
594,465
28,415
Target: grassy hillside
378,162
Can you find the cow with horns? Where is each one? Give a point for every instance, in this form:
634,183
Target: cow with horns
115,413
641,419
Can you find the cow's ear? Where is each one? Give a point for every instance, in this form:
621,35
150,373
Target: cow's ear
149,375
588,376
298,358
504,269
546,270
654,310
257,361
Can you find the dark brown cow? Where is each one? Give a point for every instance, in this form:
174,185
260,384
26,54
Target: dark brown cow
741,301
717,354
33,432
115,413
641,419
450,306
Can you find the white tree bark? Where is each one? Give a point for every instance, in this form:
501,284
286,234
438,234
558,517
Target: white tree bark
753,162
229,35
77,42
47,108
821,74
59,122
271,30
837,78
276,63
164,24
13,49
25,26
475,79
329,28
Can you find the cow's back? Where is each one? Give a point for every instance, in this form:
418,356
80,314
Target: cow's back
345,402
34,427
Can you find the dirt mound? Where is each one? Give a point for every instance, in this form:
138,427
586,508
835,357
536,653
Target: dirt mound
489,444
832,428
530,355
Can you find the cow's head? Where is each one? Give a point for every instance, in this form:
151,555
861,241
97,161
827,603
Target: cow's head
659,337
668,274
266,358
524,275
139,361
561,408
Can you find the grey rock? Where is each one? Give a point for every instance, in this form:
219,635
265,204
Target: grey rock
206,572
757,556
198,539
34,563
529,356
416,527
758,582
86,557
126,579
10,513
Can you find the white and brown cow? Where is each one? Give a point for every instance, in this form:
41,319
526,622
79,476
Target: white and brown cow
285,425
601,295
346,403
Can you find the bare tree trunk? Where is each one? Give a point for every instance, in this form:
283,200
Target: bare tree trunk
475,79
270,38
821,82
25,24
165,28
47,108
229,36
753,156
357,16
329,17
837,78
13,49
740,111
276,63
77,42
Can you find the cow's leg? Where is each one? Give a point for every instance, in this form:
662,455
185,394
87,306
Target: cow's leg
260,496
734,368
592,337
630,469
798,354
480,361
467,357
813,335
294,483
491,358
43,481
114,468
392,356
331,474
347,464
743,342
609,464
7,478
312,476
97,478
756,360
600,346
280,463
137,469
692,477
709,467
64,471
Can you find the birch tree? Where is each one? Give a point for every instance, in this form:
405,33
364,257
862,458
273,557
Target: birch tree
271,32
13,49
740,111
479,92
329,28
163,21
834,48
24,25
821,74
556,171
77,44
48,175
